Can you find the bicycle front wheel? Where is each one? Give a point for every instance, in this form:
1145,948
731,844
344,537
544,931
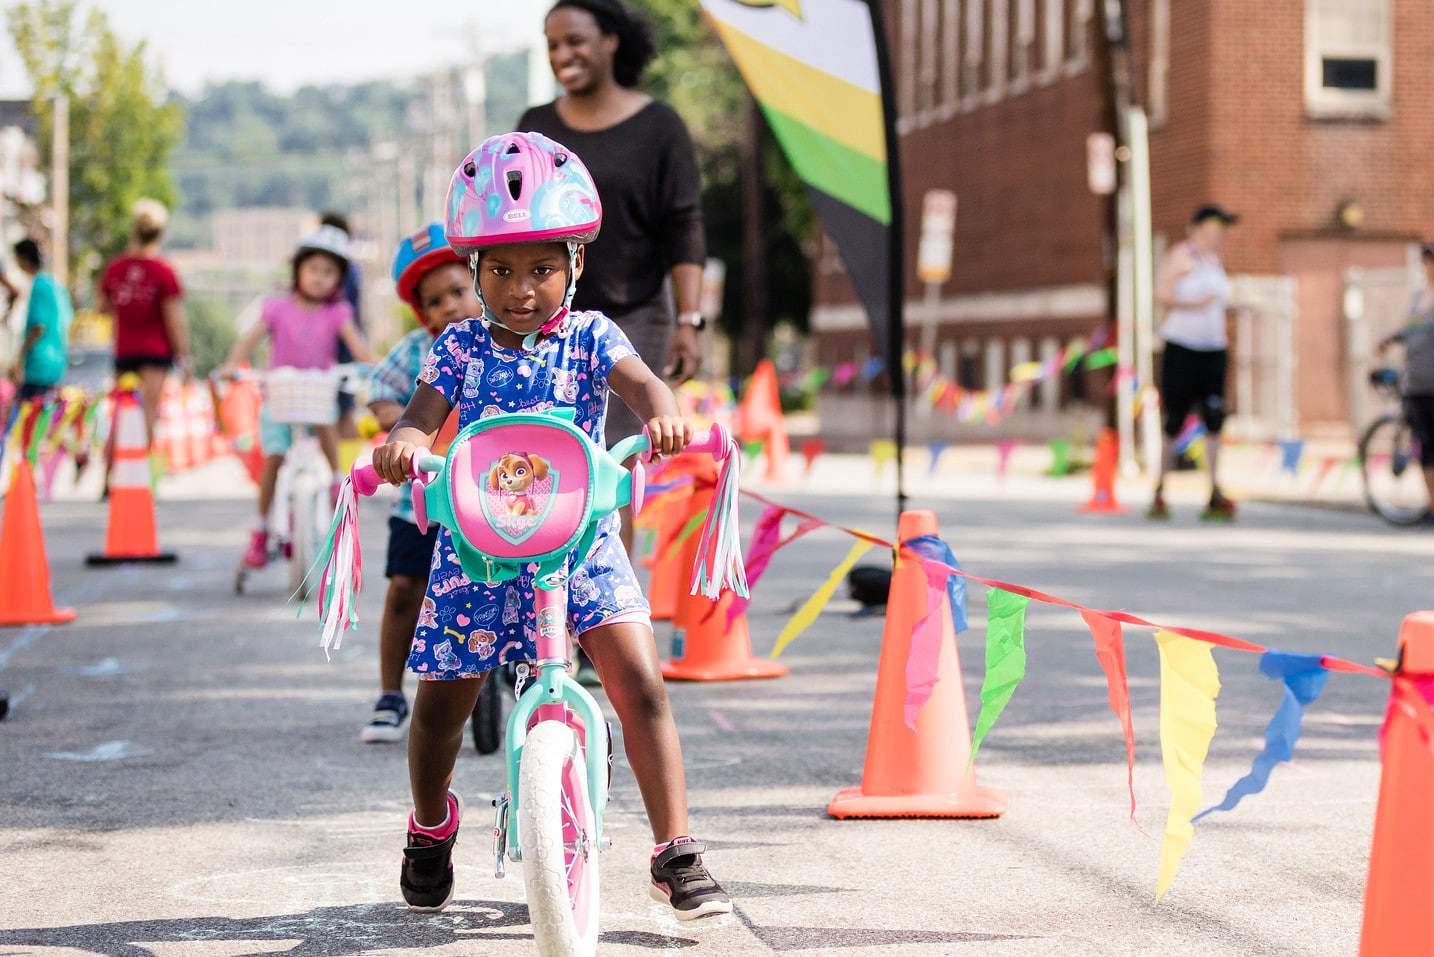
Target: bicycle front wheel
557,826
1393,479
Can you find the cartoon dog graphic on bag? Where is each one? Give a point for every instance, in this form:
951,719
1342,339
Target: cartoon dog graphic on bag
518,493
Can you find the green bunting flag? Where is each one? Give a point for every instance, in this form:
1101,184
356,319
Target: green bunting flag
1102,359
1005,658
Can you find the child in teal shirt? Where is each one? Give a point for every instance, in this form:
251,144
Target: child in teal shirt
44,351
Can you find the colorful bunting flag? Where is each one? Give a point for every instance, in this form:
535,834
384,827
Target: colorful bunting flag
882,452
1304,677
1110,653
1004,448
871,369
1291,451
1005,658
1189,685
923,662
936,448
1102,358
808,612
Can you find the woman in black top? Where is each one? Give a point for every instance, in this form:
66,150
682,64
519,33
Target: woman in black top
642,160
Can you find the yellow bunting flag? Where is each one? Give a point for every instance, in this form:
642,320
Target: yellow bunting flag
1189,684
882,452
1026,372
808,613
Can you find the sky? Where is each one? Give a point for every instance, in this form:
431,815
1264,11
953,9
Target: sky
287,43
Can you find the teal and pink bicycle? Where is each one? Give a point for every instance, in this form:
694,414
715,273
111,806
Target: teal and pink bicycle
558,750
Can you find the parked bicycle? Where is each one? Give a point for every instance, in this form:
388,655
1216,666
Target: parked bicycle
1389,455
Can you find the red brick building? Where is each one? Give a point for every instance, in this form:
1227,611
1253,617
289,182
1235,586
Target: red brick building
1309,117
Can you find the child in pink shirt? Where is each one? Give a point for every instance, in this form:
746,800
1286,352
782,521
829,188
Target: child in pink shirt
304,330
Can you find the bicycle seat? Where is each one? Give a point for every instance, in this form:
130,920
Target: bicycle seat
521,489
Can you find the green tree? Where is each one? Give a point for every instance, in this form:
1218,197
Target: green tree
695,76
122,130
211,333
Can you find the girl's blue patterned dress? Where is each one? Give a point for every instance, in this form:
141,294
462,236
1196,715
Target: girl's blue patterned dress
465,627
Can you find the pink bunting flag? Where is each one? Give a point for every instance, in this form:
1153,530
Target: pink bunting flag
1110,652
843,374
1004,448
766,541
923,661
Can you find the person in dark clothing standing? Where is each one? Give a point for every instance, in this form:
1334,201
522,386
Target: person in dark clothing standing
645,270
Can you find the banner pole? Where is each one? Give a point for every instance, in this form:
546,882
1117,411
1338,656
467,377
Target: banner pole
896,285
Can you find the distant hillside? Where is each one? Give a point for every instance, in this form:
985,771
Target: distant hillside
245,145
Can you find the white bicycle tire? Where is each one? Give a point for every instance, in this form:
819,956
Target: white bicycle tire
540,828
305,514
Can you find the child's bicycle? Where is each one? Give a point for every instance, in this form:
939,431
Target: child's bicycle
557,743
299,398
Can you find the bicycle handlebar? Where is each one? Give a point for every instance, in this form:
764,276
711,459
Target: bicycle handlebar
715,441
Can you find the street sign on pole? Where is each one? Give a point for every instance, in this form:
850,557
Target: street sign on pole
938,232
1100,163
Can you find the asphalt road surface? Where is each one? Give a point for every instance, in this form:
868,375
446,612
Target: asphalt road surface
182,773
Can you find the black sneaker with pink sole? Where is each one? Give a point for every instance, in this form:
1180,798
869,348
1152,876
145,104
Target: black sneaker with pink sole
427,874
680,880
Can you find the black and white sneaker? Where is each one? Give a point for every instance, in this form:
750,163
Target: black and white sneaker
390,716
426,878
680,879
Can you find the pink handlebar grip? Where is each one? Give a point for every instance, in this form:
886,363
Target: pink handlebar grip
714,441
365,479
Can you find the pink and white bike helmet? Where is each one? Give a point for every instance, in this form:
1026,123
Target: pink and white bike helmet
523,188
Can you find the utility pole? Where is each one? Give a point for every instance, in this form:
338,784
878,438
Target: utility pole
60,190
1122,238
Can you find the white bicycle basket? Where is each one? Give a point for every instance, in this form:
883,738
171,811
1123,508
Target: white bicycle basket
301,396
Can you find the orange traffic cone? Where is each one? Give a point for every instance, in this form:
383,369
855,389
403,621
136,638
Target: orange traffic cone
665,584
131,536
759,418
24,571
1107,459
705,648
1398,921
921,773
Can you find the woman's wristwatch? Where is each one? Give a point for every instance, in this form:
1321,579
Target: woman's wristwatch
693,319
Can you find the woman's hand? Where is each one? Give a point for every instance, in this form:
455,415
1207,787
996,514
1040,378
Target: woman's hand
686,355
393,461
668,434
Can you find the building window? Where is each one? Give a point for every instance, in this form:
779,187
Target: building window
974,29
951,53
1159,62
971,63
930,64
906,82
997,44
1023,50
1078,35
1053,17
1349,61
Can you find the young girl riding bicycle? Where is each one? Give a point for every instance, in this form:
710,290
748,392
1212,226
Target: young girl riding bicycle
525,206
304,329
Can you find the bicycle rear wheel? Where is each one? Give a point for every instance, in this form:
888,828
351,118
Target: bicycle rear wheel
487,720
557,825
1393,479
